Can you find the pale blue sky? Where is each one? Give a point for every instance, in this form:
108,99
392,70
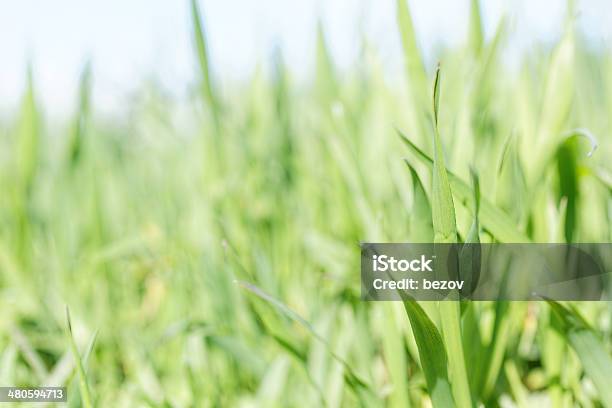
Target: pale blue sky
129,40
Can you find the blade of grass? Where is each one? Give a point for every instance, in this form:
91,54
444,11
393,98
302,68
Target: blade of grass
208,91
493,220
76,144
416,76
395,356
360,386
83,385
28,143
557,102
469,257
27,163
569,186
421,227
594,356
29,353
432,355
74,388
476,37
510,173
516,386
412,54
442,207
445,231
327,85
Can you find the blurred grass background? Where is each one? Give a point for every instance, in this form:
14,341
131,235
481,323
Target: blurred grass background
217,257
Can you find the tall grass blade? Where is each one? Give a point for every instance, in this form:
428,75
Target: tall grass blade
443,209
208,91
74,388
416,76
327,84
83,384
77,141
556,106
28,137
476,36
413,60
445,231
470,255
395,356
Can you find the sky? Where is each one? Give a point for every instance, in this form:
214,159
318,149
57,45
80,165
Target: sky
128,41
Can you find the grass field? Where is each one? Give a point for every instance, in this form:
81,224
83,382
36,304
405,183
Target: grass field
208,249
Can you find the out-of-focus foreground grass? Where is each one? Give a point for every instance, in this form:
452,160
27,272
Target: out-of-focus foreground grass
217,257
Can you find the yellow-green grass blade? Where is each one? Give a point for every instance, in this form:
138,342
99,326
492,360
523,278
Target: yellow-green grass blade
519,392
450,318
27,156
556,105
505,319
28,137
412,55
83,383
476,36
327,84
208,90
395,355
511,189
74,388
416,75
81,122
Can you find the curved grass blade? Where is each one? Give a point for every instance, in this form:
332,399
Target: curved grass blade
421,227
571,136
83,385
432,355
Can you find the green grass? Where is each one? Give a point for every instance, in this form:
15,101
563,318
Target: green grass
212,243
